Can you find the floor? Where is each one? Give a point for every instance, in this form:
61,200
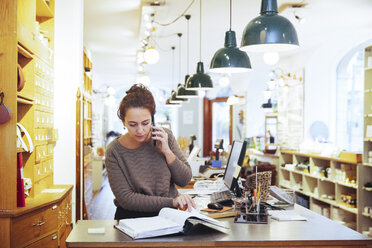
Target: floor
101,206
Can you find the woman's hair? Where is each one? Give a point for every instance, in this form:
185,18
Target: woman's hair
138,96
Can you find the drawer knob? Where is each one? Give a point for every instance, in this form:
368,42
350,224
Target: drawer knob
40,223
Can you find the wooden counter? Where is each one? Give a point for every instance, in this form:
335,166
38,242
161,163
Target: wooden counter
317,231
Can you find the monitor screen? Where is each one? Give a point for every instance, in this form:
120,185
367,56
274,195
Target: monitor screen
236,157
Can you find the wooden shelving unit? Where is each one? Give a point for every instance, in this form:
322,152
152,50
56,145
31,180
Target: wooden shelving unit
327,185
366,169
87,131
46,218
271,127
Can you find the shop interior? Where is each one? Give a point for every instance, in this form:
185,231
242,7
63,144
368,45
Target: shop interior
304,109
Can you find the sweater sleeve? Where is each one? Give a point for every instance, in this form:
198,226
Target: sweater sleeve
123,192
180,168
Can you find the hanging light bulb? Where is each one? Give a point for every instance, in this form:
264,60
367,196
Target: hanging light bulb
271,58
232,100
143,79
267,94
111,91
201,93
271,84
151,56
224,81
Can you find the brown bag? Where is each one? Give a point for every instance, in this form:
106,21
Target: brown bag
21,79
4,110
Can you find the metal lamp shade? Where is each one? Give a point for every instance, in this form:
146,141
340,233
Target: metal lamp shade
175,99
230,59
200,80
269,32
182,92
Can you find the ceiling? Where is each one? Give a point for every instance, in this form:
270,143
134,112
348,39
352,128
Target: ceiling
112,33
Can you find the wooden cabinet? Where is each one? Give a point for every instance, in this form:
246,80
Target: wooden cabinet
366,169
27,40
327,185
44,223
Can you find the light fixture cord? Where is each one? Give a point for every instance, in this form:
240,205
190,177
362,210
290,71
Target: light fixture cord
230,14
179,63
172,66
188,32
200,42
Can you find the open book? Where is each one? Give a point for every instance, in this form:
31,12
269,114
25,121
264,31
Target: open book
168,221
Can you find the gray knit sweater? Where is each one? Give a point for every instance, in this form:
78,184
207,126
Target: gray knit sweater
141,180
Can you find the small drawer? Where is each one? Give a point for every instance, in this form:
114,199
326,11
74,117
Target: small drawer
50,241
28,228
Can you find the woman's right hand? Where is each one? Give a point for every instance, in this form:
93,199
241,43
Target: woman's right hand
184,202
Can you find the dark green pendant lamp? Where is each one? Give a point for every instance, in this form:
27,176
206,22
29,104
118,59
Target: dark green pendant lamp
182,92
230,59
269,32
200,80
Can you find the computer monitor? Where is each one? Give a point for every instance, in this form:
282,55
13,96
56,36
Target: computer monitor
236,157
194,153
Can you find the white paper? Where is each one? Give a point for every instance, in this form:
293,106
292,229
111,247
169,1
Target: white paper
285,215
53,190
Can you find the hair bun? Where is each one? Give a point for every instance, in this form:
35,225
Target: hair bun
136,88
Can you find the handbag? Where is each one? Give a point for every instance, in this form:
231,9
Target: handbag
20,78
20,142
4,110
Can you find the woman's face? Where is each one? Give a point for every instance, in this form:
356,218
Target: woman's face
138,123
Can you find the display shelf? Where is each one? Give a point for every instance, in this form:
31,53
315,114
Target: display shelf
365,198
24,100
25,49
24,52
43,9
321,189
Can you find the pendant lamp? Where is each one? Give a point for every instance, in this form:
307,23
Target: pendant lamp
230,59
169,101
182,92
269,32
200,80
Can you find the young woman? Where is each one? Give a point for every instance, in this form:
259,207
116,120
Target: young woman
142,176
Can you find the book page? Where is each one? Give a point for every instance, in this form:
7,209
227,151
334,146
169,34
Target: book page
149,227
180,216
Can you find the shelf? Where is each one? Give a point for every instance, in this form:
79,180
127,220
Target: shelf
272,115
368,115
24,52
19,150
43,10
368,68
316,155
271,144
368,139
354,186
24,99
308,175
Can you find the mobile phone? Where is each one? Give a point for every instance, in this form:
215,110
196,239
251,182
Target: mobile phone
153,123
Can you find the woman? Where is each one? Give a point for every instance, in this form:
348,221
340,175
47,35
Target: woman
142,176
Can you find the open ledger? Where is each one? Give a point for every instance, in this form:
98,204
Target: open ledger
168,221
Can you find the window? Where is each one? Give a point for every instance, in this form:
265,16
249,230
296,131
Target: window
349,102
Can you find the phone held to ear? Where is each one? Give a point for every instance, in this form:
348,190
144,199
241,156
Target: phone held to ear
153,123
